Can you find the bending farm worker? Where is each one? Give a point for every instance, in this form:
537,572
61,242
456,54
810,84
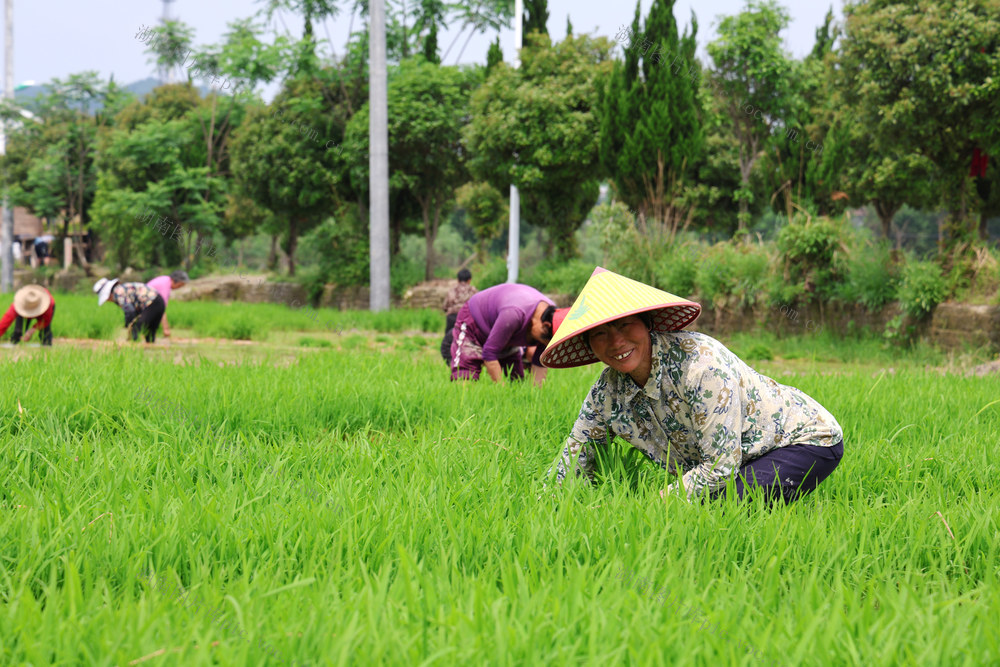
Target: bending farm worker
493,326
163,285
684,400
31,302
461,292
142,306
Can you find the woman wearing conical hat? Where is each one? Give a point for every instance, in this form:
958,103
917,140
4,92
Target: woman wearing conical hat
684,400
31,302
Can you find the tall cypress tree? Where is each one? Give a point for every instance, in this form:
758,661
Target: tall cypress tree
536,16
651,120
494,56
431,45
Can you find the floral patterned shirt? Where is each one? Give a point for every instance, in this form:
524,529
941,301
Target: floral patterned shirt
133,298
702,410
457,296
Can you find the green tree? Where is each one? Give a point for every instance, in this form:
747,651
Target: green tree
428,105
756,80
792,163
651,132
53,160
494,56
924,79
155,196
169,46
244,57
281,162
304,59
486,211
536,127
430,15
536,16
482,16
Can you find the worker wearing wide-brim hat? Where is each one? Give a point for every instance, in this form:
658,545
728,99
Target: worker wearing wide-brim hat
31,302
684,400
142,305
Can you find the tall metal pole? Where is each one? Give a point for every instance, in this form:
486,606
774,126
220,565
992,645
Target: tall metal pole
514,237
166,71
7,226
378,161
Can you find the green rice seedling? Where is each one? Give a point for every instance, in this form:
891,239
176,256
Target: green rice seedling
308,341
357,503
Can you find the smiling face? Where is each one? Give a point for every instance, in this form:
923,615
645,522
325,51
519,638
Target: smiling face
624,345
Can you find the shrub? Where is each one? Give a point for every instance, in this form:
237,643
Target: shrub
489,274
922,288
307,341
564,277
675,271
809,250
239,327
872,278
732,275
344,260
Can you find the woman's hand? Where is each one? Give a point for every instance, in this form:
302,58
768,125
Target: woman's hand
27,335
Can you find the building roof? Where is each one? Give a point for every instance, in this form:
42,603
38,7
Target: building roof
25,224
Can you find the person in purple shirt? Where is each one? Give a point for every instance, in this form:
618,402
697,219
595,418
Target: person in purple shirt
493,326
163,285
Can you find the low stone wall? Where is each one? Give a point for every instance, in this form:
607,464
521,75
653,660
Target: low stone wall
951,326
954,325
842,320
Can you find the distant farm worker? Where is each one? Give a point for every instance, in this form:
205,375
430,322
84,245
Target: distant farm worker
457,296
142,306
493,326
163,285
31,302
684,400
42,244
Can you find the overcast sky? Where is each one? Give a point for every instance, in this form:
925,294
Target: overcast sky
55,38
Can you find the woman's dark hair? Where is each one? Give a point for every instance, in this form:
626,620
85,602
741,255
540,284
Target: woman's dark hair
464,276
547,318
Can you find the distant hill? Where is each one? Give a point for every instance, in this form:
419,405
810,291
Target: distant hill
140,89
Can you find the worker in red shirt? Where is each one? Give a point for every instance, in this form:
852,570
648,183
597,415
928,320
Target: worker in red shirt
31,302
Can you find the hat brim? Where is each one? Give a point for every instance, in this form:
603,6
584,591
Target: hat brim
21,308
612,297
105,292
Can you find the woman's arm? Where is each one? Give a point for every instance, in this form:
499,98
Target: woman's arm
589,432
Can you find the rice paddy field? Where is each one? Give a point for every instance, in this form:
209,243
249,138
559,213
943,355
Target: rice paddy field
296,492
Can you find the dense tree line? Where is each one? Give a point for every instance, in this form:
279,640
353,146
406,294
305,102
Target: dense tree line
897,105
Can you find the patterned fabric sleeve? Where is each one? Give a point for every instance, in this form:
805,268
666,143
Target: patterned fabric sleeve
450,300
118,293
589,431
716,409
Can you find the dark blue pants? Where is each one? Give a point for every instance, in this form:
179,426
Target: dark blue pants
787,473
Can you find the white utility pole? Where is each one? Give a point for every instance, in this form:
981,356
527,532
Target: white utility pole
378,161
167,71
7,226
514,240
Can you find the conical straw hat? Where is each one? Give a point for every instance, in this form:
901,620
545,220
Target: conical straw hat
608,296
